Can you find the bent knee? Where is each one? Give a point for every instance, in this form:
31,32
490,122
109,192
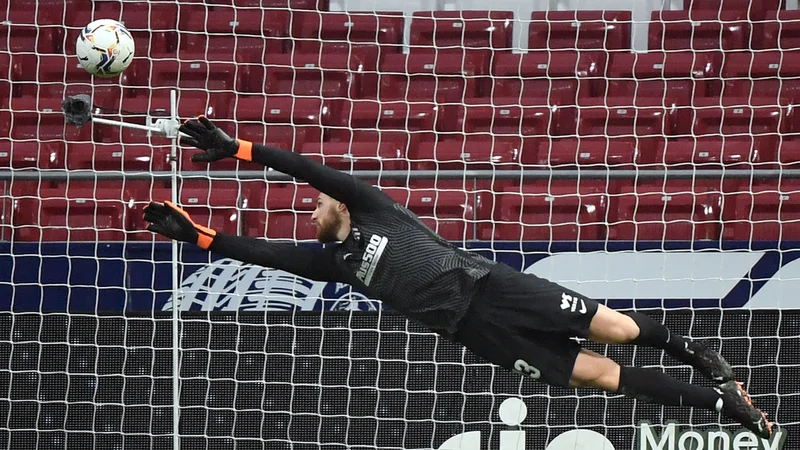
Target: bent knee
613,327
593,370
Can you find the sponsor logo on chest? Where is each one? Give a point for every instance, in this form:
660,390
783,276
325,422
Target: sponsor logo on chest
369,261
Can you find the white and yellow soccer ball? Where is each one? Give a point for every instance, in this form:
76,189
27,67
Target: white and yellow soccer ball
105,48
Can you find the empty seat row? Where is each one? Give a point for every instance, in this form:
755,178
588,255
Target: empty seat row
217,32
292,122
444,76
553,210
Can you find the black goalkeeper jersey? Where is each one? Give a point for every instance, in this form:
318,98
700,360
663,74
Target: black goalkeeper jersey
390,254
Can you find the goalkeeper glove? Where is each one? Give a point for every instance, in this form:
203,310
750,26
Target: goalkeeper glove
168,220
215,143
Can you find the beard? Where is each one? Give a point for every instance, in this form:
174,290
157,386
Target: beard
328,229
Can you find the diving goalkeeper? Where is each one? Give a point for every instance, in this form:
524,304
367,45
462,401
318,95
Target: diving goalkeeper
515,320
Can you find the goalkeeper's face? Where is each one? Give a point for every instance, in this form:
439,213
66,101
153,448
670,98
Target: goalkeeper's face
329,218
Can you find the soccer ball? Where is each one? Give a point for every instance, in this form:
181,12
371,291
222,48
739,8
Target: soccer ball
105,48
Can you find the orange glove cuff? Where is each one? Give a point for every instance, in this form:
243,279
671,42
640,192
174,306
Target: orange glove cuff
205,236
245,152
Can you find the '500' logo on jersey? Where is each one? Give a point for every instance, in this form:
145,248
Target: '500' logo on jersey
372,254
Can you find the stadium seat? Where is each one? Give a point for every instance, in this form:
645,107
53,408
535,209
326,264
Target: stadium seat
116,157
787,152
75,213
41,118
599,153
700,30
583,30
56,76
549,211
713,152
640,122
37,26
781,30
212,203
281,121
324,32
755,10
153,25
443,75
281,211
745,119
330,75
659,78
764,211
320,5
770,76
472,29
469,154
384,155
506,122
667,211
229,34
545,77
373,121
448,212
32,154
208,86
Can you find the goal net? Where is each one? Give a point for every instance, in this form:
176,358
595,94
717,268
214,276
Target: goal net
646,158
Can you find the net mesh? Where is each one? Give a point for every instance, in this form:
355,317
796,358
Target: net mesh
574,143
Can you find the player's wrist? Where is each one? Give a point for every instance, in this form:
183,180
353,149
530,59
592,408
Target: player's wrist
244,150
204,236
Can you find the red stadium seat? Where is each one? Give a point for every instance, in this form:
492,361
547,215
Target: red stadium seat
77,213
583,30
281,121
505,122
208,87
58,76
771,76
330,75
153,25
31,154
781,30
41,118
468,154
787,152
446,75
659,78
546,77
116,157
368,155
448,212
667,211
342,32
571,153
713,152
321,5
473,29
747,118
212,203
641,122
282,211
373,121
755,10
37,26
552,211
765,211
230,34
700,30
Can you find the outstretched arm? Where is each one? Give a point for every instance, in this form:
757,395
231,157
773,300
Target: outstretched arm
175,223
217,145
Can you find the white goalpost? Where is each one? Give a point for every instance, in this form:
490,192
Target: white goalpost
644,158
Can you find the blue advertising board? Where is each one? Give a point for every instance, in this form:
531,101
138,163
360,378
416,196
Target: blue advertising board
137,277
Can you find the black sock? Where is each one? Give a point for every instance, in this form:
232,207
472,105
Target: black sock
654,334
654,386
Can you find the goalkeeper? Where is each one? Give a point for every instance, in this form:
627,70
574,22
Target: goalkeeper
515,320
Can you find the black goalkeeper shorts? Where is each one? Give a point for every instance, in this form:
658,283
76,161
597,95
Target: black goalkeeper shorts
527,325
